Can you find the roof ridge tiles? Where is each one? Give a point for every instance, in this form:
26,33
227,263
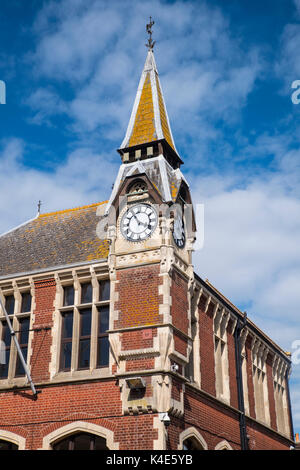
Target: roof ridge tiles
63,211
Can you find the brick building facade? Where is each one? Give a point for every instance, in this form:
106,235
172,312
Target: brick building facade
127,346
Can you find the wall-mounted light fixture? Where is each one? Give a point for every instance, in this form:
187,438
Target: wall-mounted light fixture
136,383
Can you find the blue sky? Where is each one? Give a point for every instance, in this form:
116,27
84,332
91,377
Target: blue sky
71,70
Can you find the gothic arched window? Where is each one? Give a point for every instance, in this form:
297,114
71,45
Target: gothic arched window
192,443
81,441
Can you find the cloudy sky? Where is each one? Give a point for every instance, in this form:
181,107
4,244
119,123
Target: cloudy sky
71,69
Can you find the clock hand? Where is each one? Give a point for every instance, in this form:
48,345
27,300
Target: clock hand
143,224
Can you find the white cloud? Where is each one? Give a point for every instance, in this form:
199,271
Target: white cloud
288,65
297,5
63,188
251,245
205,72
45,103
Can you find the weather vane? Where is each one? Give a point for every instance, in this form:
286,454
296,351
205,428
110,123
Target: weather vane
150,43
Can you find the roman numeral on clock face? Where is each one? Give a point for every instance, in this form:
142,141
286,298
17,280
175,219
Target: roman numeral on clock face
139,222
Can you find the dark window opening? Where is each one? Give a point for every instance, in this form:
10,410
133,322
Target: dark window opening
5,350
10,304
6,445
26,302
23,343
103,343
66,341
104,290
86,293
81,441
191,444
85,338
68,295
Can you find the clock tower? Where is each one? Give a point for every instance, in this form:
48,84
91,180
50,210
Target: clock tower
149,222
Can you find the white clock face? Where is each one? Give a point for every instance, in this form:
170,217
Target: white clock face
139,222
178,232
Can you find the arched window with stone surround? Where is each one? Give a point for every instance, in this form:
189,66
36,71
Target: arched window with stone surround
223,445
81,441
191,439
80,435
11,441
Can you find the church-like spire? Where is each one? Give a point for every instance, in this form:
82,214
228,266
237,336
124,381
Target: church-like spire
149,122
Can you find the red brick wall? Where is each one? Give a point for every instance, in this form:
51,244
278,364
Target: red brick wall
262,439
207,363
250,377
176,389
138,339
58,406
180,344
271,397
99,401
140,363
42,340
232,366
211,420
138,296
179,308
216,423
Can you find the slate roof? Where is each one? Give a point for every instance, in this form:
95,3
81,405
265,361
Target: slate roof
53,239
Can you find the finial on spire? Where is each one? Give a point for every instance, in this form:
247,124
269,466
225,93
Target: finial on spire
150,43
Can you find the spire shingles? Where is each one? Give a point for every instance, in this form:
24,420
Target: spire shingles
149,119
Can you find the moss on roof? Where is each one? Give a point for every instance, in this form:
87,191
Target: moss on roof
53,239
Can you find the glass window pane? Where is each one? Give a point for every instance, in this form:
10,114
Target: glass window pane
84,353
6,336
67,325
104,290
10,304
5,350
4,367
69,295
66,355
82,442
86,293
85,322
19,366
23,341
100,443
62,445
103,315
26,302
103,352
24,330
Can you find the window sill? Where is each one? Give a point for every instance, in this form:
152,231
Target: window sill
84,374
15,382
